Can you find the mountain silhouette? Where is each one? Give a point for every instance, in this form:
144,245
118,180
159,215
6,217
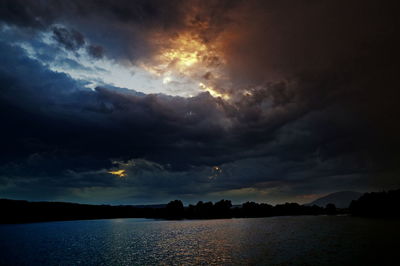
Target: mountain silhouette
341,199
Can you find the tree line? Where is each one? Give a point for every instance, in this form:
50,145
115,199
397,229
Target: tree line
19,211
224,209
376,204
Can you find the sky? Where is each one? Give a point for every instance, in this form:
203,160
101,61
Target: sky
143,102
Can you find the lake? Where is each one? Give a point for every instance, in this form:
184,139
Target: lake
295,240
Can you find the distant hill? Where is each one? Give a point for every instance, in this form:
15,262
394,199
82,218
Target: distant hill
340,199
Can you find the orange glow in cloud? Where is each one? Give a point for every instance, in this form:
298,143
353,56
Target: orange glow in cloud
214,92
185,51
216,171
177,55
120,173
188,58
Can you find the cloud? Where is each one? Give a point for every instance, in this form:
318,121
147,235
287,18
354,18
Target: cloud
70,39
95,51
312,99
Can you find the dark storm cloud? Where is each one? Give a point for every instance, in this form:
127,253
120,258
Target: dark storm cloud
27,13
70,39
126,122
314,100
125,29
117,26
59,134
42,13
96,51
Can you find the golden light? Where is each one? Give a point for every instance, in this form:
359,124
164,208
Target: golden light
120,173
186,58
213,92
185,51
216,171
177,56
216,168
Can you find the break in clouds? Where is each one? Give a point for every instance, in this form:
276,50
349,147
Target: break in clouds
148,101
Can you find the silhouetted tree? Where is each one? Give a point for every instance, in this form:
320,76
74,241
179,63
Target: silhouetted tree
330,209
378,204
14,211
250,209
175,209
204,210
222,208
288,209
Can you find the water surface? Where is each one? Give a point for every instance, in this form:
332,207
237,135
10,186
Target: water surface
302,240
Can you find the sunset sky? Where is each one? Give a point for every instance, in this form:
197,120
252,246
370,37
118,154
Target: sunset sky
142,102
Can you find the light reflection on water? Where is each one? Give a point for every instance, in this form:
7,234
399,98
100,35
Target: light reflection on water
304,240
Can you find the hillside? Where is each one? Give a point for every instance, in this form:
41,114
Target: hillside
340,199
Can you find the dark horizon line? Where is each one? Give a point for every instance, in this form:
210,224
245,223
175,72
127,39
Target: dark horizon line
187,205
144,205
375,204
